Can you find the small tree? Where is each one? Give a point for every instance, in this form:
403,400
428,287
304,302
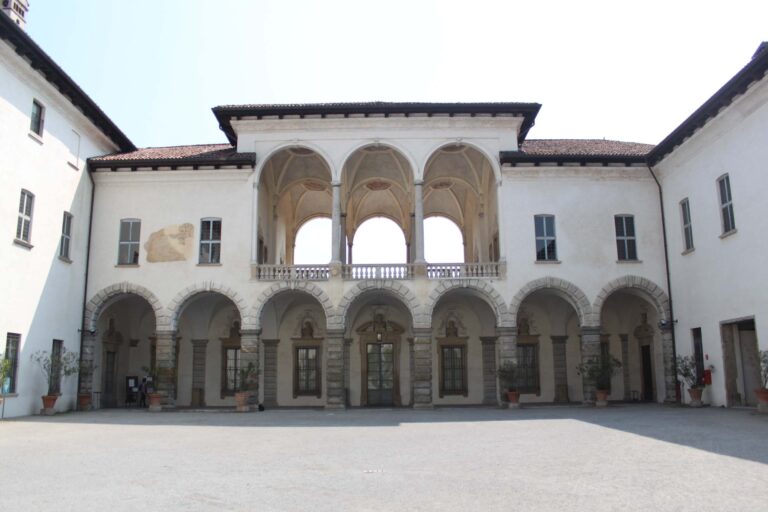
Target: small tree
686,369
507,374
248,378
599,371
55,368
763,356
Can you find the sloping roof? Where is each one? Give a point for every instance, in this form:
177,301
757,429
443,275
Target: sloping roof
225,113
578,150
39,60
202,154
754,70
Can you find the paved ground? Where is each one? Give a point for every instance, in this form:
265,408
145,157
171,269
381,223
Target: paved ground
623,458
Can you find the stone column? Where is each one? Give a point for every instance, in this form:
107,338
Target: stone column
336,223
255,222
418,226
349,253
249,353
560,366
410,362
86,357
270,372
490,392
334,370
347,348
590,349
166,366
199,349
422,369
625,365
500,221
507,351
670,373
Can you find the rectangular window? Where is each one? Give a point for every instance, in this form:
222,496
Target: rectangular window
545,237
726,203
56,353
685,210
210,241
626,244
307,372
698,354
37,118
528,368
24,224
12,342
128,250
231,380
66,235
453,365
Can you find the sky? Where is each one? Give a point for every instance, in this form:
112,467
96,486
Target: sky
619,70
601,69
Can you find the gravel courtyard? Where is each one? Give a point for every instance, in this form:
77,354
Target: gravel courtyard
640,457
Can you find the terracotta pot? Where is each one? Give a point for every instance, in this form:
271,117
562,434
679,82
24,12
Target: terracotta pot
513,397
84,401
155,402
762,398
48,403
695,394
601,397
241,401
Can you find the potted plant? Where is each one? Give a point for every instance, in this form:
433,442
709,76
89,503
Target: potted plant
86,373
55,368
762,392
686,369
599,371
5,372
507,374
247,383
153,396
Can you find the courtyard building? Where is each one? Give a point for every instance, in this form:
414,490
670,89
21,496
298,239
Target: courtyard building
180,261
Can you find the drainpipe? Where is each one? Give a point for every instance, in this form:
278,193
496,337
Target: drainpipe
87,268
666,267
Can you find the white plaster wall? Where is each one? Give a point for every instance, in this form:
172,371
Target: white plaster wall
723,278
44,295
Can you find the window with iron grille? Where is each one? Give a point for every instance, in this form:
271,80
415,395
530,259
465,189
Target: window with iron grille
66,235
544,226
12,342
128,248
453,370
231,371
37,118
24,224
306,377
726,203
210,241
685,211
528,368
56,353
626,244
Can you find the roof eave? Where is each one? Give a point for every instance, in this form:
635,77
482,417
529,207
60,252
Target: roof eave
242,159
515,157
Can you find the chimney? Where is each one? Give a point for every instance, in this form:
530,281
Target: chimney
17,11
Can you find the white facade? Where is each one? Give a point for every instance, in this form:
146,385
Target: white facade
44,291
214,286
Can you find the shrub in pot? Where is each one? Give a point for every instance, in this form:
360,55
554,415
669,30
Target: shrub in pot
247,383
154,397
762,392
507,374
599,371
686,369
55,368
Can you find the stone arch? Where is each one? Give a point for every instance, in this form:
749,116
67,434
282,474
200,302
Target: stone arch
307,287
379,142
288,145
101,299
484,290
652,291
206,286
397,289
495,166
569,291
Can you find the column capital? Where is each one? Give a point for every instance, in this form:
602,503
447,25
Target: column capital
506,331
335,333
422,332
592,330
335,184
165,334
250,332
418,183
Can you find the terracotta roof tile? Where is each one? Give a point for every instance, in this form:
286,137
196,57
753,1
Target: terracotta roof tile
176,155
584,147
